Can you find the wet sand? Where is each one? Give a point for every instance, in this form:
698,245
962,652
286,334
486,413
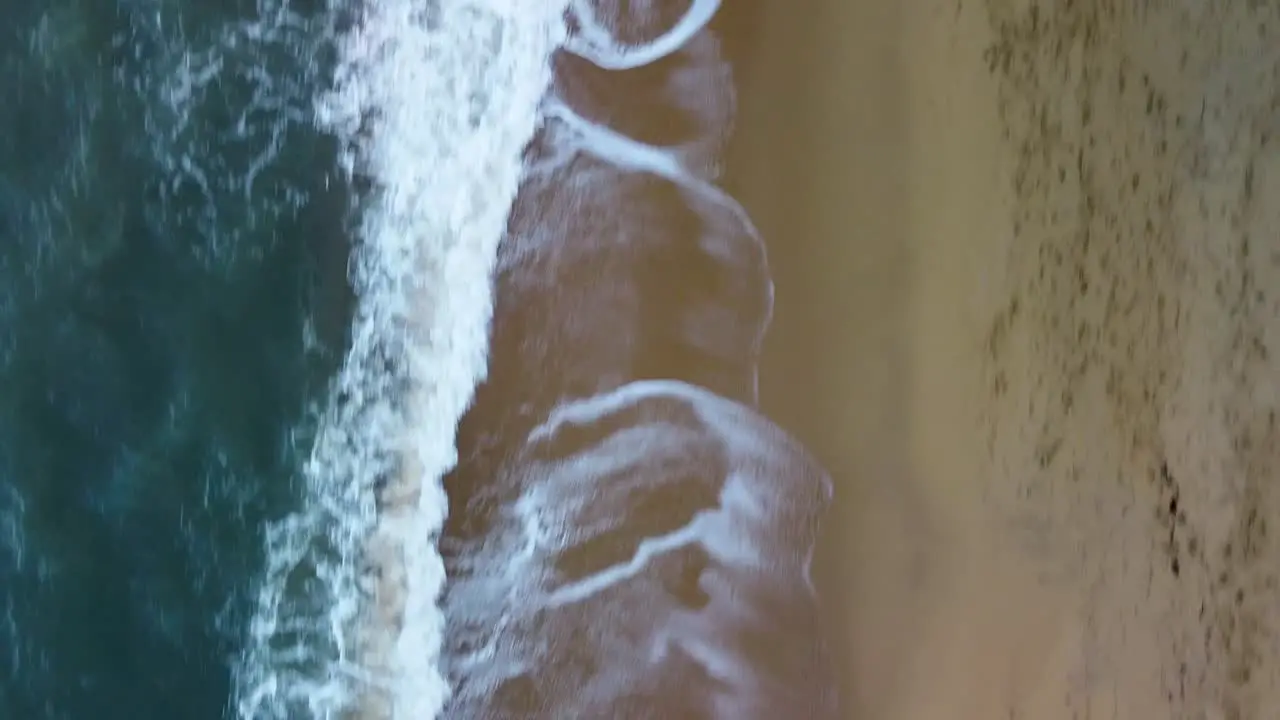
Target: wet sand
1027,261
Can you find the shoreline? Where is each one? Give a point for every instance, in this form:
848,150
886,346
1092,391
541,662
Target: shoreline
800,166
883,231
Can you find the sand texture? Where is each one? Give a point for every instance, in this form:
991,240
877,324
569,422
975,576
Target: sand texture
1027,258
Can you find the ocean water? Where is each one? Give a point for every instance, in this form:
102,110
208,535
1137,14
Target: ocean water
388,359
172,304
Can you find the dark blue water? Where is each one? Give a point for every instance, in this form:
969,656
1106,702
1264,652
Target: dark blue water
172,301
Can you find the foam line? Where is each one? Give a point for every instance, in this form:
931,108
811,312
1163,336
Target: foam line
595,44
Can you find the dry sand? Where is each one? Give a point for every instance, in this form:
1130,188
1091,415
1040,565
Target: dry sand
1027,258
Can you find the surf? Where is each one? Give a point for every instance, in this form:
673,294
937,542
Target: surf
433,104
549,396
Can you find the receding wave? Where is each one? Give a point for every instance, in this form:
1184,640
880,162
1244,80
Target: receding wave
657,568
629,537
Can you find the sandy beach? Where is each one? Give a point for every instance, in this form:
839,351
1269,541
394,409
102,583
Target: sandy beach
1028,274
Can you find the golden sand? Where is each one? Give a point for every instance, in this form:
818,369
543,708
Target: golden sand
1028,314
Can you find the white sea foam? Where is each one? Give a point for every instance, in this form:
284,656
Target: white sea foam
595,42
434,102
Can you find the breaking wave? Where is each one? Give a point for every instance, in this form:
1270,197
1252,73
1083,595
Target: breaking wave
433,102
